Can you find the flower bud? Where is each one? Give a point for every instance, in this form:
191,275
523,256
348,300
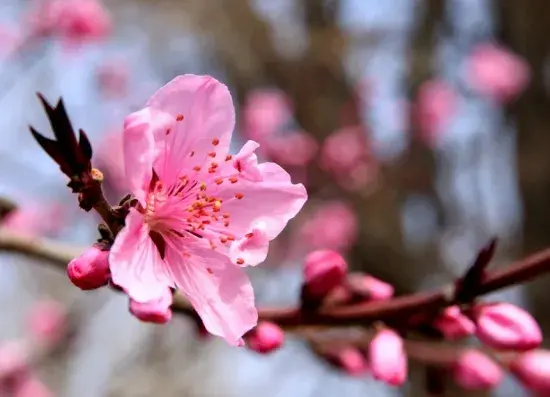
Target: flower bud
31,387
453,324
369,287
265,338
533,370
91,269
475,371
156,311
323,271
46,321
349,359
387,358
506,326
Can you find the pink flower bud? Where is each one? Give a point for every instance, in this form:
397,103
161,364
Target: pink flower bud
323,271
453,324
533,370
475,371
13,358
47,321
369,287
387,358
156,311
31,387
265,338
91,269
506,326
349,359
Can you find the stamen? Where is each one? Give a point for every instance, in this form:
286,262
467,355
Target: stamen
215,141
239,196
212,154
179,117
233,179
240,261
228,157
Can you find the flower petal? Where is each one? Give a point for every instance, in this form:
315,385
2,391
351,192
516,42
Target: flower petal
274,200
252,248
135,262
219,291
204,119
139,152
246,162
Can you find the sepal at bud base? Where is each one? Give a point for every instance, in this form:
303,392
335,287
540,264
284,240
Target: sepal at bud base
506,327
265,338
387,358
533,370
475,371
156,311
91,269
324,270
47,322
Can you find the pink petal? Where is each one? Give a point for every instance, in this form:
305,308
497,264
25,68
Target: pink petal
139,152
274,200
252,248
207,119
246,162
219,291
136,265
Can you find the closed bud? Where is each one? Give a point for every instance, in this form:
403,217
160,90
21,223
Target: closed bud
47,321
265,338
387,358
324,270
475,371
350,359
91,269
533,370
156,311
369,287
453,324
507,327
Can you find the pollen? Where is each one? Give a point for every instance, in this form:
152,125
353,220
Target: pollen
233,179
240,261
223,240
214,164
212,154
239,196
210,271
226,223
249,235
168,130
192,153
226,215
179,117
231,237
203,186
228,157
217,206
218,181
215,141
197,168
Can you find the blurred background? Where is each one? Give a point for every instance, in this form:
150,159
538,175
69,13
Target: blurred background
420,129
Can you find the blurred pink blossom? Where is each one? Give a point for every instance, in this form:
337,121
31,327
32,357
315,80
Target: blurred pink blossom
155,311
297,148
110,160
368,287
14,356
112,78
31,386
331,225
10,40
387,358
194,203
90,270
506,326
265,111
436,104
265,338
533,370
47,321
324,270
496,72
475,371
349,359
35,219
453,324
344,148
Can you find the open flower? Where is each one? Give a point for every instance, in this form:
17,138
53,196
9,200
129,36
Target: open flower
196,205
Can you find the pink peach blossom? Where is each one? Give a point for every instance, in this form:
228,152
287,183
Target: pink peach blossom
195,202
350,359
35,219
156,311
47,321
506,326
344,148
453,324
387,358
264,113
265,338
435,105
533,370
112,78
90,270
496,72
296,148
475,371
332,225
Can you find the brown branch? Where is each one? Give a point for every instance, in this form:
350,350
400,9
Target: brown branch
359,314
